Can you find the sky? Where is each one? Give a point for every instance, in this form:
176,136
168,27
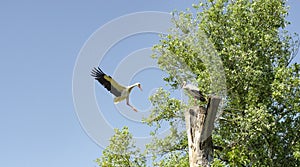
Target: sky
40,45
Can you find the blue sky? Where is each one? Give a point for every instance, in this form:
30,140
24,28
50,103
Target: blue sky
39,44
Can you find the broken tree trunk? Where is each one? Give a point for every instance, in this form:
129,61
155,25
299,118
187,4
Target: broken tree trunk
199,125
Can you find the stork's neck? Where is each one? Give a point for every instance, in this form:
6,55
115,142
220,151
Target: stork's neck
132,86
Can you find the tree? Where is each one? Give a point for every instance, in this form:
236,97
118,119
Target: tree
121,151
260,85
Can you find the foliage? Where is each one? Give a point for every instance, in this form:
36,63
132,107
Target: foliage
239,50
261,120
121,151
173,148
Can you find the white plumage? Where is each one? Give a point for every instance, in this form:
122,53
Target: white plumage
194,91
121,92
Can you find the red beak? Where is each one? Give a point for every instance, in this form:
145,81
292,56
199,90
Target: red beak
140,87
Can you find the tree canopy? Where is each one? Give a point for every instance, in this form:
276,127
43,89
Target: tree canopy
244,47
122,151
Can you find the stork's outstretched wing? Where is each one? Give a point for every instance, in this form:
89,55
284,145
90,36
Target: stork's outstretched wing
106,80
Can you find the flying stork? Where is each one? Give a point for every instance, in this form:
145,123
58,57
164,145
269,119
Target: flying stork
194,91
121,92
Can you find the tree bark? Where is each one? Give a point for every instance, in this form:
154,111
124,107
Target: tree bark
199,126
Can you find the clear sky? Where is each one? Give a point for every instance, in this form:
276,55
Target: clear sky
39,44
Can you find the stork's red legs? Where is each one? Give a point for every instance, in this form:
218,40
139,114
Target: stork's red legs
127,102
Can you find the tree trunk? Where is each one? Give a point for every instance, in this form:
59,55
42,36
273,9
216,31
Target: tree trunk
199,126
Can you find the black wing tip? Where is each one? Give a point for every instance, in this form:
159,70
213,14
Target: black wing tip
97,72
203,99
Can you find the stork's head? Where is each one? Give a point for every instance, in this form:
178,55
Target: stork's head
139,86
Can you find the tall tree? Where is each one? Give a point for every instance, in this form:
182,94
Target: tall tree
239,50
261,120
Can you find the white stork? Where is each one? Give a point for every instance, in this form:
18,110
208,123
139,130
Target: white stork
194,91
121,92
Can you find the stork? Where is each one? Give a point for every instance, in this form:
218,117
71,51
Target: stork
121,92
194,91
